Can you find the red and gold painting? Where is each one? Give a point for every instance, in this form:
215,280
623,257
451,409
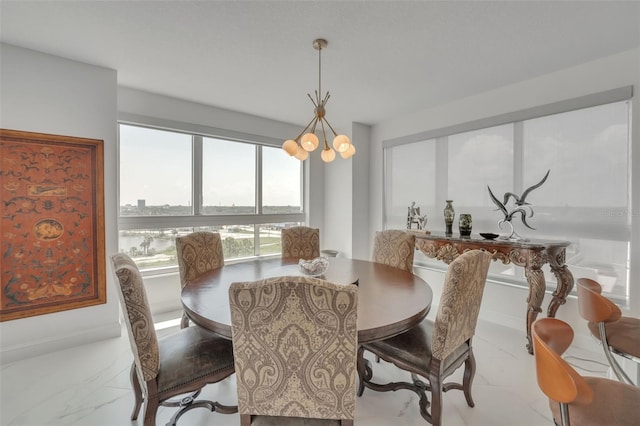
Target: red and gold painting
51,224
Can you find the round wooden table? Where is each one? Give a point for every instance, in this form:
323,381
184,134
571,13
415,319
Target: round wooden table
390,300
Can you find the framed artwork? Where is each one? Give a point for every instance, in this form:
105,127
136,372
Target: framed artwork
52,223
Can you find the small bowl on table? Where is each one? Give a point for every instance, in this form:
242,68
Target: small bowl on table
314,267
489,235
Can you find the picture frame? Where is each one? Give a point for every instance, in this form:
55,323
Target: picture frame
52,254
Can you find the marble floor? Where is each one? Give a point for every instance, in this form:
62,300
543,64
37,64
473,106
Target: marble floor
89,385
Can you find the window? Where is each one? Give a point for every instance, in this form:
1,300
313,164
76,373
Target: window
173,183
410,171
228,177
585,200
477,159
155,172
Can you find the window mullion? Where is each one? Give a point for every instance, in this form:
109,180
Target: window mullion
197,175
259,211
258,165
518,156
442,170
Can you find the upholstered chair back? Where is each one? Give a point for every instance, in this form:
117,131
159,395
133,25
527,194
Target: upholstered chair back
135,306
198,252
294,344
395,248
459,306
301,242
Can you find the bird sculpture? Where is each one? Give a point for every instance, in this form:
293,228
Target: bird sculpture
522,207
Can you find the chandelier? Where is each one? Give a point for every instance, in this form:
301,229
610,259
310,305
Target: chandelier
307,141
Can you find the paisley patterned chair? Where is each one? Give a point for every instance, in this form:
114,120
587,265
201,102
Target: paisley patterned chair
574,399
183,362
435,349
198,252
301,242
294,341
395,248
619,335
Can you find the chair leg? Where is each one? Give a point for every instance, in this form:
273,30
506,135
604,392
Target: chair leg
436,398
619,372
564,415
150,409
467,379
364,370
184,322
137,392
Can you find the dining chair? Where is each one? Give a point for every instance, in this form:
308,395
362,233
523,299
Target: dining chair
395,248
618,335
435,349
198,253
300,242
575,399
294,341
178,364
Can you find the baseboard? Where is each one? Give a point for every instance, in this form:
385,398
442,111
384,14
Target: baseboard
45,346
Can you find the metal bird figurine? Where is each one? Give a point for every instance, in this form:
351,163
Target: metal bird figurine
520,201
523,208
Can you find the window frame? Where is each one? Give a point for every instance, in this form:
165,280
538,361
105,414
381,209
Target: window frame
196,219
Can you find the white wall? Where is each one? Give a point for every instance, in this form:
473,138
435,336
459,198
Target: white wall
360,197
337,226
503,304
47,94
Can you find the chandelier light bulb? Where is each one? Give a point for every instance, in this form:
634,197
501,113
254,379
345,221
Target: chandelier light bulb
309,142
301,154
290,147
349,152
328,155
341,143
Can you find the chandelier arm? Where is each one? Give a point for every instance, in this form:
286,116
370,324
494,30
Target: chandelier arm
334,132
326,98
313,122
315,104
324,135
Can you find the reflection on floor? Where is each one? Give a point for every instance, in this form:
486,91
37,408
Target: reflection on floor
89,385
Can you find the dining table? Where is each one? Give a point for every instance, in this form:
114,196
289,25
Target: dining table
390,300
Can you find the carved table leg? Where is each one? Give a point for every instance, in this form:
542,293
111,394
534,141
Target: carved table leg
535,279
564,280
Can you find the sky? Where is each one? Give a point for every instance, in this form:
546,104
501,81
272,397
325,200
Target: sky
156,166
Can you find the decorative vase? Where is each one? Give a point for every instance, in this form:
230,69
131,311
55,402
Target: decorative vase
464,225
449,214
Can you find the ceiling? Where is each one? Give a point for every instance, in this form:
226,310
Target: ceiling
384,58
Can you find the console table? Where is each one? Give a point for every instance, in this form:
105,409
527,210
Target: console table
531,255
